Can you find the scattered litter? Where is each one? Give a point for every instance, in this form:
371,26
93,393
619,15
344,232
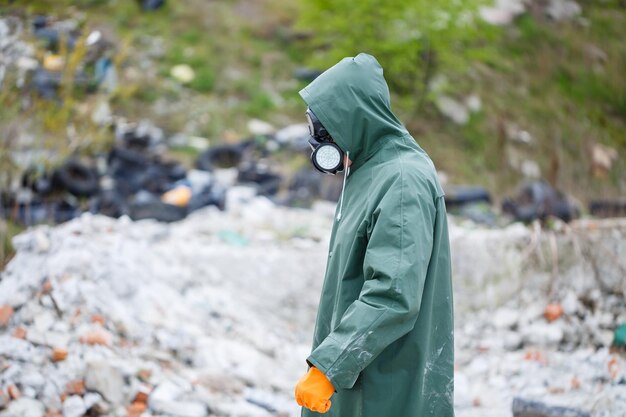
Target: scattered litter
183,73
539,200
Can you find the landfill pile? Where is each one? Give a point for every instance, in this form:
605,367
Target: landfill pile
213,316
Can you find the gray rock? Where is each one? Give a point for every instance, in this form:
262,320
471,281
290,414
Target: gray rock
105,379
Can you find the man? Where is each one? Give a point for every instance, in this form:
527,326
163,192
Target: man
383,342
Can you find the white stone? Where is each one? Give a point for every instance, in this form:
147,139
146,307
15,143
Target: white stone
452,109
105,379
259,127
542,334
505,318
24,407
74,406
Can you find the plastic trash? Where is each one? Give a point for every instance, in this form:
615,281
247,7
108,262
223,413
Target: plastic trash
267,183
179,196
539,200
183,73
232,238
220,156
619,338
53,62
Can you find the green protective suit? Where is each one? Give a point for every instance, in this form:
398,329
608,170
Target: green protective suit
384,331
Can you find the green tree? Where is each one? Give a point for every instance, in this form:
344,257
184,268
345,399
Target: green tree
411,39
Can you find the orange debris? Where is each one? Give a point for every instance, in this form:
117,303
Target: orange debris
536,356
19,332
96,337
46,288
613,367
14,392
136,409
59,354
98,318
75,387
6,312
553,312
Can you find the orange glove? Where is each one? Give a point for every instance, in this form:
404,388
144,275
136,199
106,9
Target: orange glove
314,390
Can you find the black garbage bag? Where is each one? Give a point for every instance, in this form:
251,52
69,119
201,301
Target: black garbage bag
304,187
539,200
37,180
155,179
152,4
267,183
128,169
64,210
211,195
77,178
221,156
133,141
47,83
109,203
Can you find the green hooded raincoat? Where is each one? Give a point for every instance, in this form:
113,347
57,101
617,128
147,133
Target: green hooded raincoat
384,331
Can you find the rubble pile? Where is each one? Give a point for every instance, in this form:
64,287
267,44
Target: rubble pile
213,316
537,317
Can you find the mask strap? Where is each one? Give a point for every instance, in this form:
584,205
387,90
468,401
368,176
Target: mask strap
343,187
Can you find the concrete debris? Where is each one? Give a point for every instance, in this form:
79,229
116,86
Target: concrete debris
105,379
187,335
24,407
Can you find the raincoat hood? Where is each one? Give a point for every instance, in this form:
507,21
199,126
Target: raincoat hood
351,99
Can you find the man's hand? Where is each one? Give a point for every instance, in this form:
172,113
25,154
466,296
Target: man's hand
314,390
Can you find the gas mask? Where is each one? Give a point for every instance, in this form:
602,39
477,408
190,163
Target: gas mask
327,157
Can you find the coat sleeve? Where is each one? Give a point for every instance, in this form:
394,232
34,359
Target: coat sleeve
400,240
